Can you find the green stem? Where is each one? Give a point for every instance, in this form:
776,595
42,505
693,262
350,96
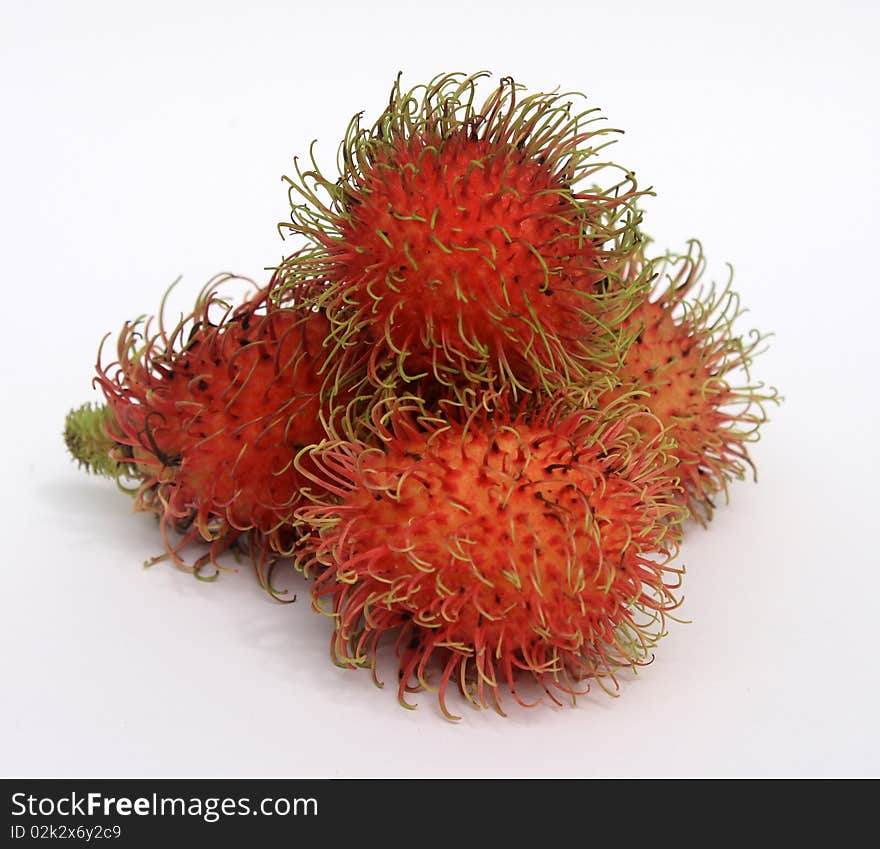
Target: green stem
88,441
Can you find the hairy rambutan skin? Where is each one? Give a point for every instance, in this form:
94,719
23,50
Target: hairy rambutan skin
210,414
469,242
531,543
684,362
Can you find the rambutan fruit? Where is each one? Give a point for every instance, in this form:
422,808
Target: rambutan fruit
469,242
531,543
210,416
683,362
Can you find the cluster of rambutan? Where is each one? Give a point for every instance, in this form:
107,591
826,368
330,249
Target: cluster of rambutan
470,406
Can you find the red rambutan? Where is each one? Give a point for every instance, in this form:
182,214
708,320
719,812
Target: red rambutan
469,242
681,362
516,543
210,416
469,406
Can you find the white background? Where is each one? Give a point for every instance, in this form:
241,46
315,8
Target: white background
145,141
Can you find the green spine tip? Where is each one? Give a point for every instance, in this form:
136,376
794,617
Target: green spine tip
87,439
